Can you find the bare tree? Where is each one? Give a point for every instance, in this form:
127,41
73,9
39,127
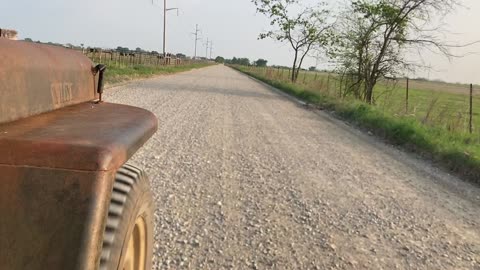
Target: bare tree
375,36
303,30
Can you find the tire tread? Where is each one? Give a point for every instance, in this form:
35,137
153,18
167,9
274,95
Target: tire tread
125,182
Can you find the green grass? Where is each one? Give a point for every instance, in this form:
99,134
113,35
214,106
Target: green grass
445,110
118,74
457,151
437,104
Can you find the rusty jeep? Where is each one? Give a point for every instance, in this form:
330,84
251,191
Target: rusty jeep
68,198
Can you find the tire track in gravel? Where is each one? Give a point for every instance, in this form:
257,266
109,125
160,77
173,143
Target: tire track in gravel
302,217
373,204
246,179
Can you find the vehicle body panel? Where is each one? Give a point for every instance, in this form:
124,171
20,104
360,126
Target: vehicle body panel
59,152
51,218
87,136
37,78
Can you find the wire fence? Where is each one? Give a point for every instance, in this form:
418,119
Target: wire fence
443,105
122,59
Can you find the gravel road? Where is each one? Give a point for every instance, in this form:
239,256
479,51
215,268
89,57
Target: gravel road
245,178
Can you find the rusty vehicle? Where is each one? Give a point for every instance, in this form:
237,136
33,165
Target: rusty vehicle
68,198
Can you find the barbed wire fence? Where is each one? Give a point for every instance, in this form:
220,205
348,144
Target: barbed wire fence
443,105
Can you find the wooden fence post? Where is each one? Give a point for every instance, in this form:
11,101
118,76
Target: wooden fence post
335,88
328,84
406,96
471,109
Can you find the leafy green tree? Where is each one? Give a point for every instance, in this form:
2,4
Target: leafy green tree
312,68
244,61
28,40
220,59
303,30
239,61
261,63
123,49
376,35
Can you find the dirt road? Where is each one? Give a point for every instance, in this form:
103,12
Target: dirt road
244,178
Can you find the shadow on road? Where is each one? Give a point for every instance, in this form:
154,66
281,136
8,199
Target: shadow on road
213,90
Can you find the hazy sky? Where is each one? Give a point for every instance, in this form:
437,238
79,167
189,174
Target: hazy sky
233,25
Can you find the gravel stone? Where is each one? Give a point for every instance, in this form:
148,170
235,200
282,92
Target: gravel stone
292,181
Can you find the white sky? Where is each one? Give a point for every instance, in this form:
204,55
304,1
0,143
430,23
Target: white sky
233,25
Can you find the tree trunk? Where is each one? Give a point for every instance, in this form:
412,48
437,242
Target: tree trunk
301,61
294,77
298,71
370,83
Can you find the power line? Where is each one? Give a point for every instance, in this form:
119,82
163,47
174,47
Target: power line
155,4
208,45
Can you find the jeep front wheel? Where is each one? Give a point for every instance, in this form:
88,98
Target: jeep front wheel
128,236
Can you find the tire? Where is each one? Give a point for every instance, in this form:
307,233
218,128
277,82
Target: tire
129,224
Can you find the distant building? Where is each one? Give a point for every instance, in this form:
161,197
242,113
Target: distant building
7,33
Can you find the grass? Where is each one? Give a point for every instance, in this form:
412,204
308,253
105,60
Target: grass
457,151
116,74
438,104
443,109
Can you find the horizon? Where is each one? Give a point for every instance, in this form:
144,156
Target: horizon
234,28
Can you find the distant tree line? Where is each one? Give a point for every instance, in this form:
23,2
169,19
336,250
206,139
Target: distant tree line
119,49
242,61
238,61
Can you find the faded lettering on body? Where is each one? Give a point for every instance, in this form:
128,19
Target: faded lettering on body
61,93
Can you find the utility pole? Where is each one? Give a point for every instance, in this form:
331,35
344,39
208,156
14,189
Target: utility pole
206,50
164,29
196,40
470,122
211,49
165,10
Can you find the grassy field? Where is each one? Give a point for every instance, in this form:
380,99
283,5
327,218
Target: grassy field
117,74
456,150
436,104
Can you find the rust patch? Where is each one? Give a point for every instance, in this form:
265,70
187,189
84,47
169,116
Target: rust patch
38,78
88,136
